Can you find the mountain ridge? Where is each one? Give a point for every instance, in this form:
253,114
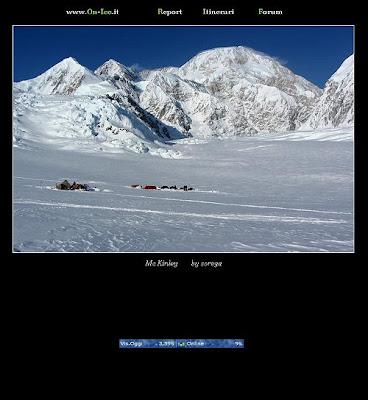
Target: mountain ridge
226,91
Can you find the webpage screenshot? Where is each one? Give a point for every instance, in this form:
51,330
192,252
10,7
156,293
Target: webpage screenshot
183,177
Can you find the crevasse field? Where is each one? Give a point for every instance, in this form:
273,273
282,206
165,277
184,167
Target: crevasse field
269,193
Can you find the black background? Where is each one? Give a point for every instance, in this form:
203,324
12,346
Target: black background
68,310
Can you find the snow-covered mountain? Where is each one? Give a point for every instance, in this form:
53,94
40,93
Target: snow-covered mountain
222,68
69,101
220,92
119,76
66,77
237,91
336,105
116,70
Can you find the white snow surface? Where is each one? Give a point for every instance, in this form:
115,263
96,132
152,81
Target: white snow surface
345,70
270,193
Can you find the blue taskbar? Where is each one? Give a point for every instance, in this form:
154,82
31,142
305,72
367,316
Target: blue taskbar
181,344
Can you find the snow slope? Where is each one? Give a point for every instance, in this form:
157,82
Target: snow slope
336,105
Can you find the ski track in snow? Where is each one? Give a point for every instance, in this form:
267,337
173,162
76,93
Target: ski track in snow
255,147
235,204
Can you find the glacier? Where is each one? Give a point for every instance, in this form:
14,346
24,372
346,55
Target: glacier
267,193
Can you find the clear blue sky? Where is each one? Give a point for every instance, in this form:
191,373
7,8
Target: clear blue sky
312,52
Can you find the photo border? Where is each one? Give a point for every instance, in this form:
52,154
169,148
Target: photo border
13,26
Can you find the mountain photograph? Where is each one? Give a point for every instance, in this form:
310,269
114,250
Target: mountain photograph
183,139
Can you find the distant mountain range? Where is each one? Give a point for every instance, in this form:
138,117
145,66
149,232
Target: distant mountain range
220,92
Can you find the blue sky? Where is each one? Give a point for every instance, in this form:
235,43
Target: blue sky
312,52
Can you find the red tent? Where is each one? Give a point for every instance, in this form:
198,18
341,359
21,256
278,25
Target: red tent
151,187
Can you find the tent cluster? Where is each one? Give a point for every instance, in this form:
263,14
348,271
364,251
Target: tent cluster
65,185
185,188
